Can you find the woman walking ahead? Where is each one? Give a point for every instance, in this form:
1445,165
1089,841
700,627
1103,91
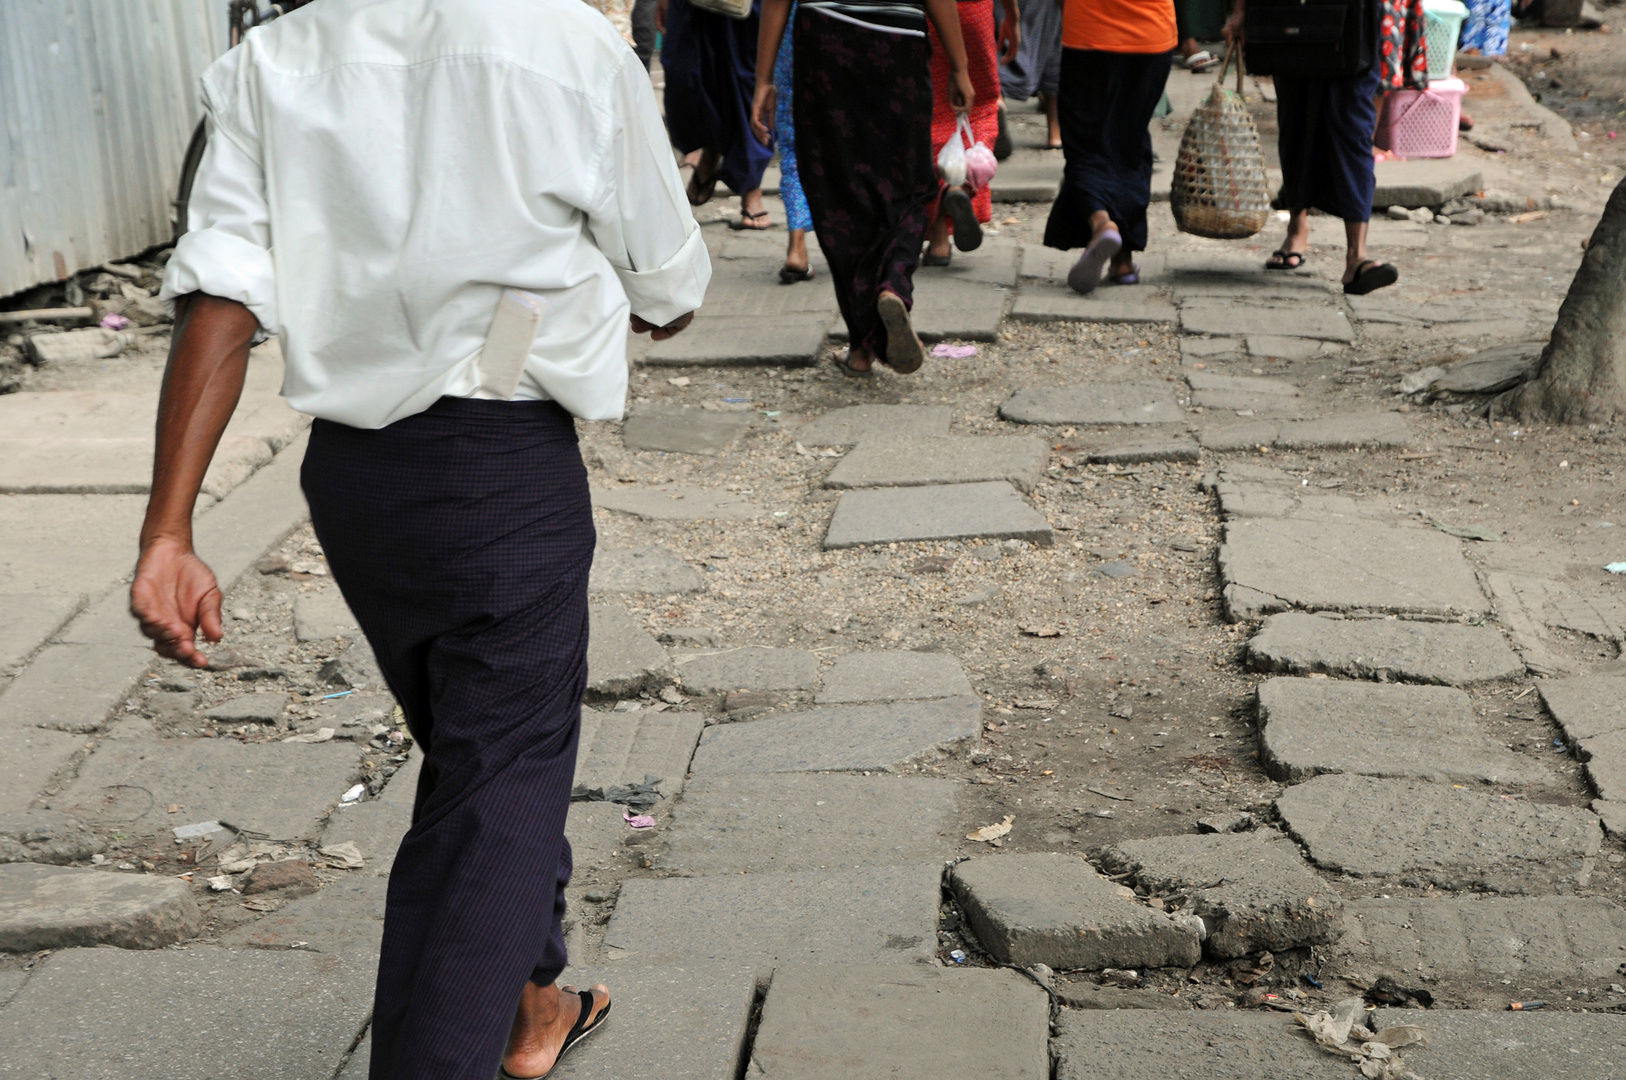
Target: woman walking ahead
863,115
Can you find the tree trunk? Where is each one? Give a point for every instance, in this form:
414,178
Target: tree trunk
1582,375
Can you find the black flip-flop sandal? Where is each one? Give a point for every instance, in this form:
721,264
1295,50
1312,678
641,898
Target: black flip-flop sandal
1003,147
790,275
1279,260
843,360
904,352
967,229
1371,276
578,1031
741,226
929,259
700,191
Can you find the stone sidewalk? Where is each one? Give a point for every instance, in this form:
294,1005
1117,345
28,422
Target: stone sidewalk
193,864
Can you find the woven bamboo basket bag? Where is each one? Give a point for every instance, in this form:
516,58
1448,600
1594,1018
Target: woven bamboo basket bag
1219,186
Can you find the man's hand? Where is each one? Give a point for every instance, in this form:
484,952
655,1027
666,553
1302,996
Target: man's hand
763,104
660,16
960,94
661,333
1232,30
174,596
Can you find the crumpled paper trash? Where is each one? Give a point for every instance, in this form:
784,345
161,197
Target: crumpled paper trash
1373,1052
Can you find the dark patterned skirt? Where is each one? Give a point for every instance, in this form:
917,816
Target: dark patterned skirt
710,62
863,142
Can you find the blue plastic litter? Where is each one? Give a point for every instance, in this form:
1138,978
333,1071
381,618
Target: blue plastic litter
330,697
1311,979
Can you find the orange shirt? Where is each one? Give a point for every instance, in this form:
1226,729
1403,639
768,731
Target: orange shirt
1123,26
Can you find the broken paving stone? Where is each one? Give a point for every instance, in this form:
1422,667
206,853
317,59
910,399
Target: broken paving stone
622,659
705,1011
1277,347
274,788
1454,938
322,614
59,907
1055,909
1096,403
45,836
1344,431
748,667
344,917
1269,566
683,430
188,1014
1491,371
1305,320
250,709
1450,834
674,502
943,459
356,668
623,749
893,675
1202,1045
1387,650
854,424
1586,707
840,738
946,308
885,915
290,877
792,822
838,1021
1253,891
1147,450
642,570
939,512
744,704
1312,726
1612,815
1241,821
1471,1045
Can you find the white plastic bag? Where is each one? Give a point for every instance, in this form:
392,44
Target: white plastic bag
951,159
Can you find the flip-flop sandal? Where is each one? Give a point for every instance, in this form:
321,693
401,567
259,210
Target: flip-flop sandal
1370,276
1279,260
743,226
904,352
1200,61
843,360
700,191
1086,273
1128,277
790,275
578,1031
929,259
1002,141
967,230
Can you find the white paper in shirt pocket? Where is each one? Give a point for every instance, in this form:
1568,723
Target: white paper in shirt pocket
508,343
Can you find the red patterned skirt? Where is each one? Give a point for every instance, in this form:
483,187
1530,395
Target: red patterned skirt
982,62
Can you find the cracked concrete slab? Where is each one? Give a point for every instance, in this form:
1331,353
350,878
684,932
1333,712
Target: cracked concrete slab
944,459
1388,650
991,510
1449,834
1314,726
1269,566
1146,402
840,738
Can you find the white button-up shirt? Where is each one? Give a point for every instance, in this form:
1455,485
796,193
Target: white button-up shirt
379,171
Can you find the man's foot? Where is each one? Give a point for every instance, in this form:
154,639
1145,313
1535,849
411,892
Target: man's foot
752,221
703,184
1285,260
547,1016
904,352
855,362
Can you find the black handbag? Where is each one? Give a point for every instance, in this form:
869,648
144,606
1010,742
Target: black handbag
1327,39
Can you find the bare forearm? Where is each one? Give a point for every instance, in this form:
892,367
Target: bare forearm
770,33
945,16
208,361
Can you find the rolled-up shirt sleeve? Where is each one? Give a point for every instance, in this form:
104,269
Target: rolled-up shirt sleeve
643,223
226,250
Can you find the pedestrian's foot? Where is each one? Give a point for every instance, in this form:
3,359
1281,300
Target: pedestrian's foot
790,275
1285,260
904,352
1369,275
933,257
1124,274
548,1023
855,361
1086,273
967,230
703,184
753,221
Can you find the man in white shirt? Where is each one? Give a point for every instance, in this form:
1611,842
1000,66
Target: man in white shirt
447,210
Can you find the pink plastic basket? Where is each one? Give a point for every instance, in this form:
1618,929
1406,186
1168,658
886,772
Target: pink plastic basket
1422,123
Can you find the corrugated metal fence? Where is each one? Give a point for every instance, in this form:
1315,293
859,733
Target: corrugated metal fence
97,101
